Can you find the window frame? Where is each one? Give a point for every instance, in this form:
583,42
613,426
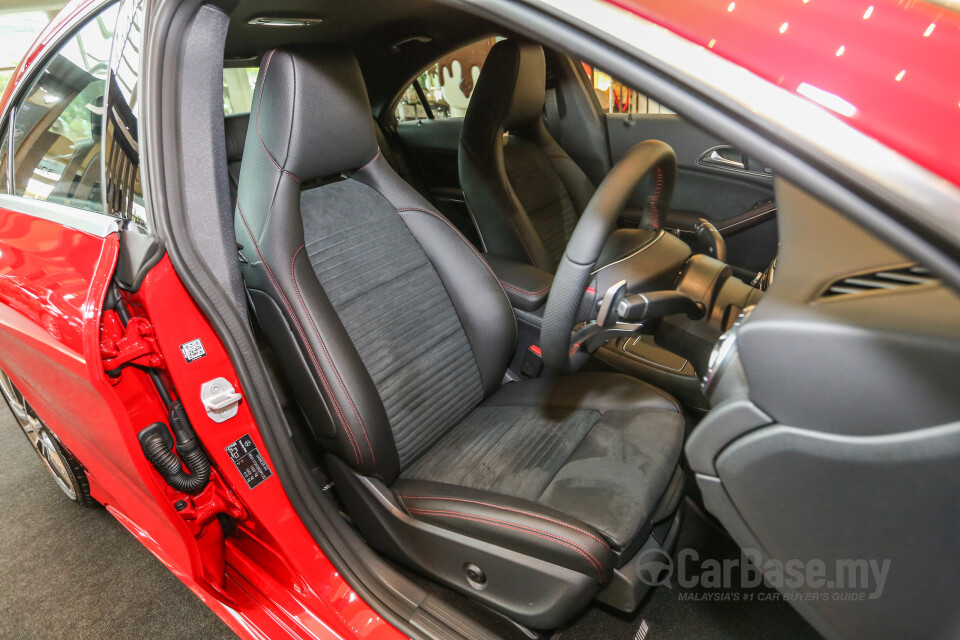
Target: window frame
97,223
389,113
8,125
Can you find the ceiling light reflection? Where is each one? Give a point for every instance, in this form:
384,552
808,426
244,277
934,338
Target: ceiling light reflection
783,27
868,13
731,6
933,25
826,99
841,50
900,75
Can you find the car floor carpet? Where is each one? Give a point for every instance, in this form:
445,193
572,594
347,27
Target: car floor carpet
679,613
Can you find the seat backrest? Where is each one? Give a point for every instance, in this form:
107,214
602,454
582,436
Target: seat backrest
235,131
525,192
388,325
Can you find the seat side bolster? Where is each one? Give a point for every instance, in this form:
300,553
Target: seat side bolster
501,219
516,524
579,187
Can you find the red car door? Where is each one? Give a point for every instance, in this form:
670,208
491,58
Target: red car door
59,246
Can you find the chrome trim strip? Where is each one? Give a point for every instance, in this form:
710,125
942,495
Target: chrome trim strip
885,172
96,224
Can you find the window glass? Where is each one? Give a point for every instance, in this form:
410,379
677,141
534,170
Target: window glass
616,97
447,84
4,143
238,84
57,131
124,190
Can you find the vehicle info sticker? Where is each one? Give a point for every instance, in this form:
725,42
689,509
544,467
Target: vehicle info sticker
249,461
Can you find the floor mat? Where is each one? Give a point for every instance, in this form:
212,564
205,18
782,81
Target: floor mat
69,572
698,613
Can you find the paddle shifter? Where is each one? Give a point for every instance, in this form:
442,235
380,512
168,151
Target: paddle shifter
709,237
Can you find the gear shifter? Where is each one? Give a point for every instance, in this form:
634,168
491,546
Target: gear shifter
709,237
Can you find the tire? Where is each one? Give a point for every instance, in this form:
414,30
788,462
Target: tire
65,469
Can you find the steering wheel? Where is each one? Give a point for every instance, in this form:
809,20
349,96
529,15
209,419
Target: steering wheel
597,222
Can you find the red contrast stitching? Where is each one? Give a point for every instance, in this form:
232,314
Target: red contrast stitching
371,161
465,241
259,100
527,513
303,336
327,355
509,525
524,291
654,208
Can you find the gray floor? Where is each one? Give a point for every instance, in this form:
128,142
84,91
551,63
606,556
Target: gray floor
68,572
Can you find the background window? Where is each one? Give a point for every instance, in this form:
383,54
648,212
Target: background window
447,84
57,131
19,27
238,84
124,189
616,97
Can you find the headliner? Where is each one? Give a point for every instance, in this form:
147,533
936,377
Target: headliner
368,27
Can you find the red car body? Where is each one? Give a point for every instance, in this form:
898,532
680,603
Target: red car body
893,62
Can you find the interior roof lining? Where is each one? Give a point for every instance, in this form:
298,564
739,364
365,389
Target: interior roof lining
369,28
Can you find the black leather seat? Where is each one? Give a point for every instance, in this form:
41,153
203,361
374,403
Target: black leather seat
395,335
235,131
525,192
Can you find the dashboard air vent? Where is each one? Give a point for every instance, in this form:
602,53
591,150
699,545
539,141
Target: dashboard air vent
884,280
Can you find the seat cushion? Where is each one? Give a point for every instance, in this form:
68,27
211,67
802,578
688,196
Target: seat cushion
599,447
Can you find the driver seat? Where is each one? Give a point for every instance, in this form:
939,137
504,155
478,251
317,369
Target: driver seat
395,335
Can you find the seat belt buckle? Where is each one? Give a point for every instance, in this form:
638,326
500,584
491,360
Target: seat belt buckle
532,364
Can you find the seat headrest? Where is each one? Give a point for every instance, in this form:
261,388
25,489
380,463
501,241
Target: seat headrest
312,112
511,84
235,132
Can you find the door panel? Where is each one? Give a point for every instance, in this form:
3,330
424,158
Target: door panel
720,192
53,280
431,147
58,253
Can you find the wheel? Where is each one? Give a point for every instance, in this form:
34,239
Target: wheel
67,472
598,221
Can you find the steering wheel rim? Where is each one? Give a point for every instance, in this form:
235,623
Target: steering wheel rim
598,221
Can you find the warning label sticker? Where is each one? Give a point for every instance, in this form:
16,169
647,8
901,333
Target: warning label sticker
192,350
249,462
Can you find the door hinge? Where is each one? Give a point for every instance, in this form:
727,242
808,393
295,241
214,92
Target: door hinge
134,344
215,499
